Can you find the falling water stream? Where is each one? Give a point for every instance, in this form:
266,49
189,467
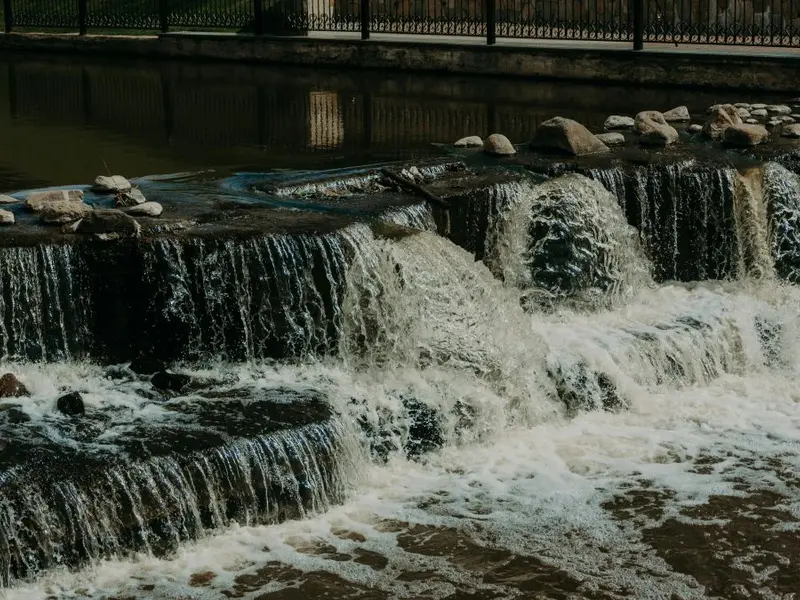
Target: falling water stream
586,412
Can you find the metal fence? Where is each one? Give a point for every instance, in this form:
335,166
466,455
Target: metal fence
744,22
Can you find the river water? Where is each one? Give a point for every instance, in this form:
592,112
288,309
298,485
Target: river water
682,483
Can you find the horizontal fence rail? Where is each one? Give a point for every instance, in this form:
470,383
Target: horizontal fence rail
741,22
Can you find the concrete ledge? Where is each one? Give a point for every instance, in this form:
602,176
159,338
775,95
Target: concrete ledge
760,68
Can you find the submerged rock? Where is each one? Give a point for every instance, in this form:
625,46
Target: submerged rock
745,135
11,387
7,217
498,145
170,382
654,129
108,221
146,366
722,117
472,141
617,122
679,114
71,404
38,201
147,209
567,136
110,184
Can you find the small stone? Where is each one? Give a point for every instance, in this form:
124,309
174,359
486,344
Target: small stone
745,135
745,105
774,123
695,128
172,382
146,366
611,139
63,211
8,199
11,387
615,122
132,197
758,106
759,112
743,113
791,131
722,117
148,209
6,217
787,119
752,121
498,145
37,201
472,141
71,404
566,136
110,184
654,129
796,117
109,221
779,109
679,114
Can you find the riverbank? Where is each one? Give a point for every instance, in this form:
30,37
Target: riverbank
730,67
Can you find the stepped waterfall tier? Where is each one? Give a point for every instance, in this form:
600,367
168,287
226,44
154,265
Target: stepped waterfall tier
450,379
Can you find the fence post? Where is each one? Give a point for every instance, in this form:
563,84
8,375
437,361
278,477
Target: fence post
365,19
638,24
258,13
82,10
163,15
491,33
8,15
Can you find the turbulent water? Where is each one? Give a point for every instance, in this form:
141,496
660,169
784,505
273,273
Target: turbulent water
619,439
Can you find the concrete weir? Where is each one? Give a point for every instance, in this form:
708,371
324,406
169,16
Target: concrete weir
660,64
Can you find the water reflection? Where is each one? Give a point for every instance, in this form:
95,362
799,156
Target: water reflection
63,122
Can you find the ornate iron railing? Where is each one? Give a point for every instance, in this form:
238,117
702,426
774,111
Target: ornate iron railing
743,22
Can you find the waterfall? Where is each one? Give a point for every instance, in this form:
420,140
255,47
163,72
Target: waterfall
782,198
750,212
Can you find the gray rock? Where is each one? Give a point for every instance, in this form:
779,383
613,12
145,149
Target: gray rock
110,184
787,119
758,106
743,113
617,122
774,123
498,145
37,201
745,105
6,217
63,211
109,221
131,198
7,199
759,112
745,135
679,114
613,138
654,129
723,116
695,128
779,109
147,209
566,136
472,141
752,121
791,131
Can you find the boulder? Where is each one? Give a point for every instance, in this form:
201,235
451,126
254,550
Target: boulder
791,131
617,122
779,109
759,112
7,199
695,128
612,139
146,366
170,382
108,221
71,405
472,141
654,129
567,136
63,211
11,387
148,209
679,114
132,197
6,217
110,184
37,201
722,117
498,145
745,135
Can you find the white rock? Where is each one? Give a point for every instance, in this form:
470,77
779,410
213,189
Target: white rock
752,121
743,112
6,217
146,209
498,145
774,122
679,114
618,122
695,128
472,141
131,198
787,119
110,184
758,106
758,112
779,109
612,138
